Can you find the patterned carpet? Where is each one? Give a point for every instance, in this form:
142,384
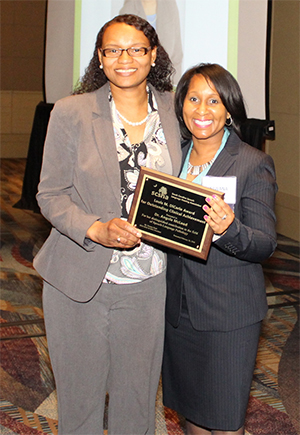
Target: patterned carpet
28,400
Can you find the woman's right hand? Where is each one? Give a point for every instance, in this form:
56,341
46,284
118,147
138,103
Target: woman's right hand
115,233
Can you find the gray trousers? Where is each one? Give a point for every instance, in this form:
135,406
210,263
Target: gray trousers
112,343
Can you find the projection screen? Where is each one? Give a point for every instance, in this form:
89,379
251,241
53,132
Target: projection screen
229,32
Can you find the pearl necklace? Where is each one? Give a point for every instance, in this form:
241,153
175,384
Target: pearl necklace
196,170
134,124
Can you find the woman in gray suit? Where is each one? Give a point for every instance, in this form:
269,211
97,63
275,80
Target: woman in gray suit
104,289
215,307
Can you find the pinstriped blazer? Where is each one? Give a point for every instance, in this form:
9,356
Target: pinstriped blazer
227,291
80,183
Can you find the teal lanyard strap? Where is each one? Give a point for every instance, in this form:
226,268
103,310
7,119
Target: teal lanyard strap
199,177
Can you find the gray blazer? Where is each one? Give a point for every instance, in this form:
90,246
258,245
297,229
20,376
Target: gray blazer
80,183
227,291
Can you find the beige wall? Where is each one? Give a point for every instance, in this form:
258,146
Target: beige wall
284,109
22,44
17,113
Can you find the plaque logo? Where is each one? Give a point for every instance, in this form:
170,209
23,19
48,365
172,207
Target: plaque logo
161,193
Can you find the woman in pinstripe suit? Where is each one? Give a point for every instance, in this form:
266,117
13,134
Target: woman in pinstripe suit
215,307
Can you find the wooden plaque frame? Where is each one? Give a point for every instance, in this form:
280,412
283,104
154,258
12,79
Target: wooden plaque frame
168,211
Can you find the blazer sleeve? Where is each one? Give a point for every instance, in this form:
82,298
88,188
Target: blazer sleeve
57,197
252,235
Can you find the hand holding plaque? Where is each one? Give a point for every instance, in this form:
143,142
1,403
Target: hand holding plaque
168,211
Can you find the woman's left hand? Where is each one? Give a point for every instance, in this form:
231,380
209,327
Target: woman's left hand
219,215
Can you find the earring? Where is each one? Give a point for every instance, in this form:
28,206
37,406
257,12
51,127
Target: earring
153,64
101,66
230,121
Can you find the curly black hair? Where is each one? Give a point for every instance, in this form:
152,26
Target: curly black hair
226,86
159,76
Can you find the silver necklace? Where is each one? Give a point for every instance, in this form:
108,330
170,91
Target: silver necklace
134,124
196,170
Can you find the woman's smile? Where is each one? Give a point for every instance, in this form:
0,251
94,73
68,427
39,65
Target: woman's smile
202,124
125,71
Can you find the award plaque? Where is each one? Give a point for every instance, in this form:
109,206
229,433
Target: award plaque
168,211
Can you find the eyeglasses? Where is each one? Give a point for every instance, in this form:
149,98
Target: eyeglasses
132,51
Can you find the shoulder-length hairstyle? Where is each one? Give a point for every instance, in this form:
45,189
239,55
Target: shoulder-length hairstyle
159,76
226,86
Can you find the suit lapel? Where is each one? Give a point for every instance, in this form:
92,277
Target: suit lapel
227,157
105,140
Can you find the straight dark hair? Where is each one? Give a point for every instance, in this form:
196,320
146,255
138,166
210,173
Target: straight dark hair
226,86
